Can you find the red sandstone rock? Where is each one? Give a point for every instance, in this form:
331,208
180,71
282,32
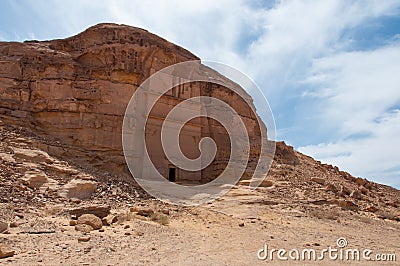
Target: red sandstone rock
76,90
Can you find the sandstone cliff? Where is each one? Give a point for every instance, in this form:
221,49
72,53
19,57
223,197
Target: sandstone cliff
76,91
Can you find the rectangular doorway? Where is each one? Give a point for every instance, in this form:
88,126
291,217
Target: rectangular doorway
172,174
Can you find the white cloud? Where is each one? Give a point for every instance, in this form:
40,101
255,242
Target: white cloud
364,109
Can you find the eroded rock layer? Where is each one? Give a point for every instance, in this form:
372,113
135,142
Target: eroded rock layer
76,90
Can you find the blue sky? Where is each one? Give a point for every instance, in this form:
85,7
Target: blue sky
329,69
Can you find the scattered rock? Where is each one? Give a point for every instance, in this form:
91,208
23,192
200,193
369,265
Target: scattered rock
3,226
78,188
241,224
6,252
318,180
126,226
72,222
100,211
127,233
84,228
90,219
84,239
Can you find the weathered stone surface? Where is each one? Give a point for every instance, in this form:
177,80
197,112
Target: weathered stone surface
79,189
35,179
100,211
32,155
6,252
76,91
90,219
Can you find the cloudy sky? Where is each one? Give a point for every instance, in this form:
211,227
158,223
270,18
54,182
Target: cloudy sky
329,69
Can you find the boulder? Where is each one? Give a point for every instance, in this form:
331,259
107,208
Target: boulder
79,189
35,179
84,239
6,252
90,219
100,211
109,220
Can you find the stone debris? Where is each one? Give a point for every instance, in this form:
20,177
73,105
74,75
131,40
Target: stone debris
84,239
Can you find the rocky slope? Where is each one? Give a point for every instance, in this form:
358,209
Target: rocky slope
301,204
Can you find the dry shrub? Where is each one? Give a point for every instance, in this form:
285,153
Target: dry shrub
160,218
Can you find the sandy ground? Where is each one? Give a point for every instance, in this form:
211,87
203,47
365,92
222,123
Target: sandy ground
229,231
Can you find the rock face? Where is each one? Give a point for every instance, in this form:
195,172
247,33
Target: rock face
76,90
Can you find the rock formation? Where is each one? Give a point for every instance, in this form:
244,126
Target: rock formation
76,90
